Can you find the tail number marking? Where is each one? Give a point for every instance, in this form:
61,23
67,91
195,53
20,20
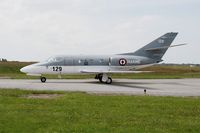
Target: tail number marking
122,62
57,69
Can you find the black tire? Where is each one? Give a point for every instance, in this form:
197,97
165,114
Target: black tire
43,79
100,79
109,81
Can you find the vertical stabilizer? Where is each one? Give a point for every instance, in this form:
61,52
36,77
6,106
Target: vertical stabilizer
157,48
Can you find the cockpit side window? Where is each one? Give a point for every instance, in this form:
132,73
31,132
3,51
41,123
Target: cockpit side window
58,59
51,59
55,59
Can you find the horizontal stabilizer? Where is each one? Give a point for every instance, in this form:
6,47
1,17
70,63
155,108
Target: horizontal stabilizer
164,47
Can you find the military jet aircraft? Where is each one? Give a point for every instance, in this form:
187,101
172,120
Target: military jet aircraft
104,65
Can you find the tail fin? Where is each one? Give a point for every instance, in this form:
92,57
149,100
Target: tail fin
157,48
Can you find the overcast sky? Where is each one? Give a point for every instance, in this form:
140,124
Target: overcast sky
33,30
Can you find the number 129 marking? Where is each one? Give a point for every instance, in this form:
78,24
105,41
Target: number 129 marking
57,69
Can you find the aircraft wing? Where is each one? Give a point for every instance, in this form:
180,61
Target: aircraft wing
107,71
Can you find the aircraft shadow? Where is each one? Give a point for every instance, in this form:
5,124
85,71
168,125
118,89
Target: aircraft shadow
134,85
126,84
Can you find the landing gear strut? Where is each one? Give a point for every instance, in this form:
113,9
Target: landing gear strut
103,78
43,79
99,77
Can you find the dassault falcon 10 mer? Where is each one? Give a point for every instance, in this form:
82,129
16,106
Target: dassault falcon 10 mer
104,65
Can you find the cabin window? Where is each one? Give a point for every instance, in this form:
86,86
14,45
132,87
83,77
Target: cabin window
85,62
101,60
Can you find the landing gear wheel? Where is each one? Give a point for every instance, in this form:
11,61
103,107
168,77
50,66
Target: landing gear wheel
103,78
109,81
43,79
100,79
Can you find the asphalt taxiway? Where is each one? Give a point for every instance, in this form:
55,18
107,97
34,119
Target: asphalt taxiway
159,87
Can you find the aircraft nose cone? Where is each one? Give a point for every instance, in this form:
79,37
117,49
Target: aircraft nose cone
24,69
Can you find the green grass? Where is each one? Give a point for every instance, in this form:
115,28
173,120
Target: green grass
12,70
80,112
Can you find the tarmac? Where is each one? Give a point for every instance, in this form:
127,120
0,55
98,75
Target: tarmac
155,87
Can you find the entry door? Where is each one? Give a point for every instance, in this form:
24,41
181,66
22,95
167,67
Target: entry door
110,61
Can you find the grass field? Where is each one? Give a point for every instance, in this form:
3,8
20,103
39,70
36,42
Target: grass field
80,112
12,70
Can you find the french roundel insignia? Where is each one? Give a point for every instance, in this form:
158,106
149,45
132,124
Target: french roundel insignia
122,62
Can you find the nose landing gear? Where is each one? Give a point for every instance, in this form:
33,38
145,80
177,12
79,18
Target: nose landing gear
43,79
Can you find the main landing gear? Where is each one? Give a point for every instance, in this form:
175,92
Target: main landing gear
43,79
103,78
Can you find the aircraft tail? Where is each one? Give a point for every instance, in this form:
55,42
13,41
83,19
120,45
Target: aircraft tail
157,48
